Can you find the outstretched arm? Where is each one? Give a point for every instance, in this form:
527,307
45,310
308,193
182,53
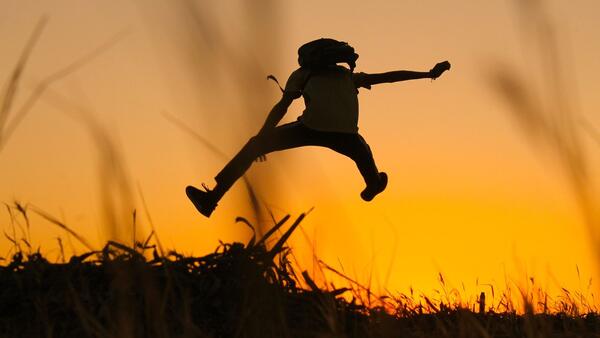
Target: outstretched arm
395,76
402,75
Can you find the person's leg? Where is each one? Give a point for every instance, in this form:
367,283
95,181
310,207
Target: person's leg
361,153
376,181
289,136
286,136
354,146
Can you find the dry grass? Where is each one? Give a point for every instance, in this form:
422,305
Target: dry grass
548,112
10,116
243,290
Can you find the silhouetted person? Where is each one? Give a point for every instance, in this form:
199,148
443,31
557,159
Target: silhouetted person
330,119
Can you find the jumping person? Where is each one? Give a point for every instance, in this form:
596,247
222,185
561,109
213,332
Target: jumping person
330,119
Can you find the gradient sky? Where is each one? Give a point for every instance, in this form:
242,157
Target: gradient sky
470,195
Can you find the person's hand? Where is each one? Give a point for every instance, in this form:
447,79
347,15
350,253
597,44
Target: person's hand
261,158
261,134
438,69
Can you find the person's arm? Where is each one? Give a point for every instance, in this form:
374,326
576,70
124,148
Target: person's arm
293,90
367,80
394,76
277,112
275,115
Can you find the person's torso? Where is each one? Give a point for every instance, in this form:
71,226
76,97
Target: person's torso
331,101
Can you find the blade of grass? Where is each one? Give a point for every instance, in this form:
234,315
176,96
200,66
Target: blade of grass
273,229
279,245
147,212
62,225
39,90
11,88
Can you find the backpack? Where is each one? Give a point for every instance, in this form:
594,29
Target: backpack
321,53
325,52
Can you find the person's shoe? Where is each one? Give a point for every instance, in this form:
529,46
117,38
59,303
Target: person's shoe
373,190
204,201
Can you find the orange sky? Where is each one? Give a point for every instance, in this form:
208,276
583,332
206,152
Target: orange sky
469,194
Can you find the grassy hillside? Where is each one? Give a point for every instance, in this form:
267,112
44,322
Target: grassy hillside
240,290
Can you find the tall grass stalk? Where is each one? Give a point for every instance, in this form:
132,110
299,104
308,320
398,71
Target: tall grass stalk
546,113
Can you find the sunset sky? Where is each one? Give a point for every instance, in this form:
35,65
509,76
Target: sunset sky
473,193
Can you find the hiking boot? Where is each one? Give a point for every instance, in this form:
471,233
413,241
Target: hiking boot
204,201
373,190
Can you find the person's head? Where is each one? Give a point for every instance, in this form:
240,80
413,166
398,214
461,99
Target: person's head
326,52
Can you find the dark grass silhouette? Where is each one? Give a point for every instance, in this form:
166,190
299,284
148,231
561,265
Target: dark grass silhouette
240,290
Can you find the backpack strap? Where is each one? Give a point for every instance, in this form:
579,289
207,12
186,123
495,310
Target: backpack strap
272,77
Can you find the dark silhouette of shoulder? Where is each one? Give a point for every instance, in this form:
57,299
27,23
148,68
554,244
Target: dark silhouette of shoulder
299,78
